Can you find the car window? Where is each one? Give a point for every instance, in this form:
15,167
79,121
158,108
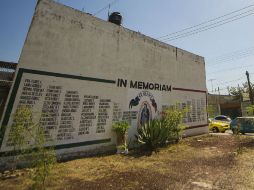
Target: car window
246,121
220,118
217,118
249,121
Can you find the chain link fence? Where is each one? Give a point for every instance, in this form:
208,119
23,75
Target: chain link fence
7,71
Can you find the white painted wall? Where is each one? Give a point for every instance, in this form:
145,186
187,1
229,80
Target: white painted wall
62,40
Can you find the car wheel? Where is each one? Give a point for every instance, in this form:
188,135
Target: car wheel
215,130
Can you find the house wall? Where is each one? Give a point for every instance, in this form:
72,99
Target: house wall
84,74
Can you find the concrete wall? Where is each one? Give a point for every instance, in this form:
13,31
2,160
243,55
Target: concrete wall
91,73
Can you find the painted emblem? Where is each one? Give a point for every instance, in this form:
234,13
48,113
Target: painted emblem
146,105
135,101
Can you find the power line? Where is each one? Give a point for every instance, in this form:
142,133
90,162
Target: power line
217,18
221,89
227,82
231,69
222,77
216,23
232,58
196,31
226,87
211,80
107,6
240,56
193,33
232,53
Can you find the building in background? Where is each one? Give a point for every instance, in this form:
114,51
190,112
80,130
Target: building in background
7,70
224,105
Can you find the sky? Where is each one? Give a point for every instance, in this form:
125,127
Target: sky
228,49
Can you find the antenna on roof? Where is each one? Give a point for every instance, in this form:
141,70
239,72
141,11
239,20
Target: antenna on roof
108,9
104,8
83,8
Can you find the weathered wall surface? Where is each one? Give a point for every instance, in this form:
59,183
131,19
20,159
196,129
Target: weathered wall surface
84,73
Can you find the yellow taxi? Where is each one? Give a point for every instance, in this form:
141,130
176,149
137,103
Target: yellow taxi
218,126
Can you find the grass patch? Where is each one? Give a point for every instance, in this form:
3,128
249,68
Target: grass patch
203,162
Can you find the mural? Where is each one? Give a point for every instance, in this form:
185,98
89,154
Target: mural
146,105
78,113
145,114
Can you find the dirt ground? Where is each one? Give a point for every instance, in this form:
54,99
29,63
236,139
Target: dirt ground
203,162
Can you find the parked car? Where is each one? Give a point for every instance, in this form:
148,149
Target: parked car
218,126
223,118
242,125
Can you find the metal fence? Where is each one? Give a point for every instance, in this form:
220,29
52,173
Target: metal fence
7,71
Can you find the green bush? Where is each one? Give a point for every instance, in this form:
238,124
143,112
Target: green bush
20,134
250,110
43,161
120,128
28,141
160,132
172,120
211,111
153,134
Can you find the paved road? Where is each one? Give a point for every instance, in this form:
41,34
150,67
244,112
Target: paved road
229,132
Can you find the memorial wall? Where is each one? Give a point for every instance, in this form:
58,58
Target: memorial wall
80,74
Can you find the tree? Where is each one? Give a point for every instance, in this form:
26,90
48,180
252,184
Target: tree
211,111
237,91
28,141
43,161
250,109
20,134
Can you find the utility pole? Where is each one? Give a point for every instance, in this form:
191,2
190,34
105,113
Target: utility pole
108,10
83,8
240,93
219,101
211,80
250,89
